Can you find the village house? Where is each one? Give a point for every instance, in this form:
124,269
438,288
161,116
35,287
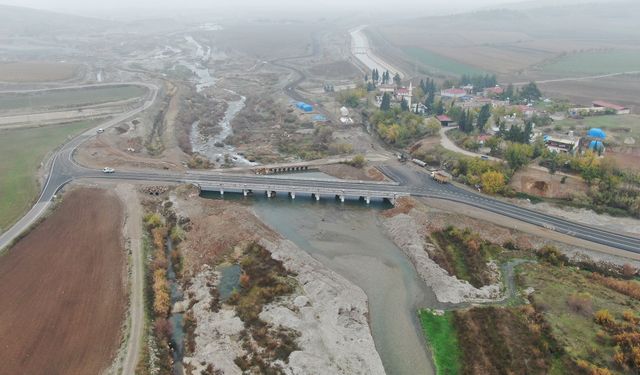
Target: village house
453,93
492,91
444,120
562,145
619,110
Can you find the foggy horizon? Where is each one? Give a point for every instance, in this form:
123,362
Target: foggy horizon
285,7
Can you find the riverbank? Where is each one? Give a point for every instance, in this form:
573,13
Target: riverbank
329,313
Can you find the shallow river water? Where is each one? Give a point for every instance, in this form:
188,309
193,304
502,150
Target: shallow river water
349,239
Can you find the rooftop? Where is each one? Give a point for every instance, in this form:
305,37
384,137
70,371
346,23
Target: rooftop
602,103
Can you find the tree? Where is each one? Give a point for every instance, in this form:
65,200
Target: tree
404,105
483,117
493,182
529,92
397,80
439,107
465,121
518,155
386,102
433,126
494,144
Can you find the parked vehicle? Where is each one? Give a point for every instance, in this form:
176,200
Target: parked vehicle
419,162
441,177
100,131
108,170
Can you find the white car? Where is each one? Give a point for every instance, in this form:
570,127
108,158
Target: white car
108,170
100,130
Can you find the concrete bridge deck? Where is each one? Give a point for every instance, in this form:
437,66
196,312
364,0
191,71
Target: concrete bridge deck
316,188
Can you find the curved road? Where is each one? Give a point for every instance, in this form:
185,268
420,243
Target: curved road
62,170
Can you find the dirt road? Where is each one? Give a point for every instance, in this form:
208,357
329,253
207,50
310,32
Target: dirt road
449,145
600,76
133,233
62,290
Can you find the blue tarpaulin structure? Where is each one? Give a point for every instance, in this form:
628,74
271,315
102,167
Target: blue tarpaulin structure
304,106
319,118
596,145
596,133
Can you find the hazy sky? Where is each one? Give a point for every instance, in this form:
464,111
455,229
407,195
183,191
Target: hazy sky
81,5
159,8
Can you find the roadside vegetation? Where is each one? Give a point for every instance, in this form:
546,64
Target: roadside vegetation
21,153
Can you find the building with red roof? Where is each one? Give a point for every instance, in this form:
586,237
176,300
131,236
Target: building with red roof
620,110
453,93
444,120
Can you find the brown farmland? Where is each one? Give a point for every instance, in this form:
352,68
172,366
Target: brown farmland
62,290
37,71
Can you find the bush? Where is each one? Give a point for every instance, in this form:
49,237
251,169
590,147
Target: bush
358,161
603,317
580,303
552,255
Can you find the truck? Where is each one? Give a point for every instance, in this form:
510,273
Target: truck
419,162
441,176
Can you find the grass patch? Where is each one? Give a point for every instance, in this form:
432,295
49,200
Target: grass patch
441,335
576,331
596,63
611,123
440,63
21,153
465,255
72,97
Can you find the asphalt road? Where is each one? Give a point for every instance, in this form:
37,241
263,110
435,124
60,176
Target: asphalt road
422,185
417,183
62,169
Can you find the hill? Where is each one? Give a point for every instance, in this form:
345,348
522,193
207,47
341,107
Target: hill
26,22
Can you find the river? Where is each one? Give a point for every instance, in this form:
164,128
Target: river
213,148
348,238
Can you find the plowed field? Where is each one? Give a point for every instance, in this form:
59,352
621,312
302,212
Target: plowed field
62,290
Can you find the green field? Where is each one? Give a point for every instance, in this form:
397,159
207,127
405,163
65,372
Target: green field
576,332
70,98
608,122
440,63
596,63
21,152
442,338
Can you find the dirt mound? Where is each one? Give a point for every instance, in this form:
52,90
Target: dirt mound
62,290
540,183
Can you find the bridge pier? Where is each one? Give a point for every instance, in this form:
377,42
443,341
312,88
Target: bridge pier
222,191
340,197
367,200
245,192
316,195
268,193
292,195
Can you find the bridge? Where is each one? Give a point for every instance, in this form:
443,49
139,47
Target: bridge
316,188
